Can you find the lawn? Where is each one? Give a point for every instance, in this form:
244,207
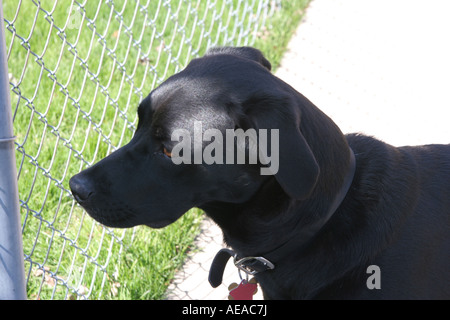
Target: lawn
77,76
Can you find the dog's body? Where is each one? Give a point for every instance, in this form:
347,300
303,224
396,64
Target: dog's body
395,215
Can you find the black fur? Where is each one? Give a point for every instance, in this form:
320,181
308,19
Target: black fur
396,214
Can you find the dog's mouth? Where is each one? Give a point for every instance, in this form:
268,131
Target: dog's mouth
122,218
112,218
159,224
112,211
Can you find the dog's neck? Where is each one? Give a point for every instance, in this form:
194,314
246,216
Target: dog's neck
243,224
265,224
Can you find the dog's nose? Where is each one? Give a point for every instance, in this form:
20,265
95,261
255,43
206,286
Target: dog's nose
82,187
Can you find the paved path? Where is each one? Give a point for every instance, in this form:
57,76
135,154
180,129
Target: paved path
378,67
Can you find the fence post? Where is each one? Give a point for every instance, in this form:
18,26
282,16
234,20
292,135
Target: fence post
12,273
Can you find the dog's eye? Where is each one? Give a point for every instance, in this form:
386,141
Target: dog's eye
167,152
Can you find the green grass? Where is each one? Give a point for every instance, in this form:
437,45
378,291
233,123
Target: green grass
74,101
273,40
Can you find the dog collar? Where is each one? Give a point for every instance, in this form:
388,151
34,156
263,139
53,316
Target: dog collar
249,265
253,265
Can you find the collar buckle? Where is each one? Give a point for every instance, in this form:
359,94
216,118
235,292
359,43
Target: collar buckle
253,265
249,265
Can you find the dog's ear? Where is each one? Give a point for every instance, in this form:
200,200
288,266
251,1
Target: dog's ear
298,170
244,52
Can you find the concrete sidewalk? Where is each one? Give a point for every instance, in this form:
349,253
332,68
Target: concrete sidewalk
377,67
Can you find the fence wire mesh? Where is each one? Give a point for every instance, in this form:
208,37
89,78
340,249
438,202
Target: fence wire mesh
77,72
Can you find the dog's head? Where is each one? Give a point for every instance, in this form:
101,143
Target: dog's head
181,155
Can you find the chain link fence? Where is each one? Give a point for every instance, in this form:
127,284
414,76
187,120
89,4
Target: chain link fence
77,72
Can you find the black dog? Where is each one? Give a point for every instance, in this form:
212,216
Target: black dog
341,216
